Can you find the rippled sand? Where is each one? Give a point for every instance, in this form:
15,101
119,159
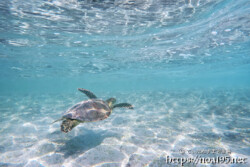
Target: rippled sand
161,124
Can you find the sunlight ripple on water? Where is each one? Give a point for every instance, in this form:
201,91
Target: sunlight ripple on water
183,64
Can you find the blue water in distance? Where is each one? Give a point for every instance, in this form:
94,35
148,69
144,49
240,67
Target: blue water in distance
183,64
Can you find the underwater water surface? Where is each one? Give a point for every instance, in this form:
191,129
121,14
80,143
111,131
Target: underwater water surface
183,64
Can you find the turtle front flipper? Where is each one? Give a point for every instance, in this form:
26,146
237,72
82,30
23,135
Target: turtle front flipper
68,124
126,105
87,93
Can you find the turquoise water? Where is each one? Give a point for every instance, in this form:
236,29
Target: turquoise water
184,65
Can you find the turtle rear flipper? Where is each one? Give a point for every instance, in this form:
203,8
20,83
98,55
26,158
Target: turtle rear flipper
87,93
68,124
126,105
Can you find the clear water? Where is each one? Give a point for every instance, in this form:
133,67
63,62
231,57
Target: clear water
183,64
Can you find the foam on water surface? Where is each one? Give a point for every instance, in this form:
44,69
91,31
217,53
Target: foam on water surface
161,124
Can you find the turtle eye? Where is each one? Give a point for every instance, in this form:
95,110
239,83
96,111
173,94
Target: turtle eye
69,115
113,100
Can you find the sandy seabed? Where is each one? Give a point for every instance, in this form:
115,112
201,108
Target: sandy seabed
161,124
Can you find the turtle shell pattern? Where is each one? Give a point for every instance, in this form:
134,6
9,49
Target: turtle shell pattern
89,111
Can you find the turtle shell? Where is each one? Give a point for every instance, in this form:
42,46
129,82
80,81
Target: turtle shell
89,111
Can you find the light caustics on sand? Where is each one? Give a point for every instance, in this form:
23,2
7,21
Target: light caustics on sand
184,65
210,120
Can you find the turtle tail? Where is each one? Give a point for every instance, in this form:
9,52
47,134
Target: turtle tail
57,120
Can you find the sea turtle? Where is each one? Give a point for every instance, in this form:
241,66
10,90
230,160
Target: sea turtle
88,111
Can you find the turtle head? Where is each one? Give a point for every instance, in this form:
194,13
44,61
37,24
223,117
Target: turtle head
68,124
111,101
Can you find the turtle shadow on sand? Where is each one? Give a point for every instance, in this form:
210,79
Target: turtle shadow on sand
84,142
91,110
